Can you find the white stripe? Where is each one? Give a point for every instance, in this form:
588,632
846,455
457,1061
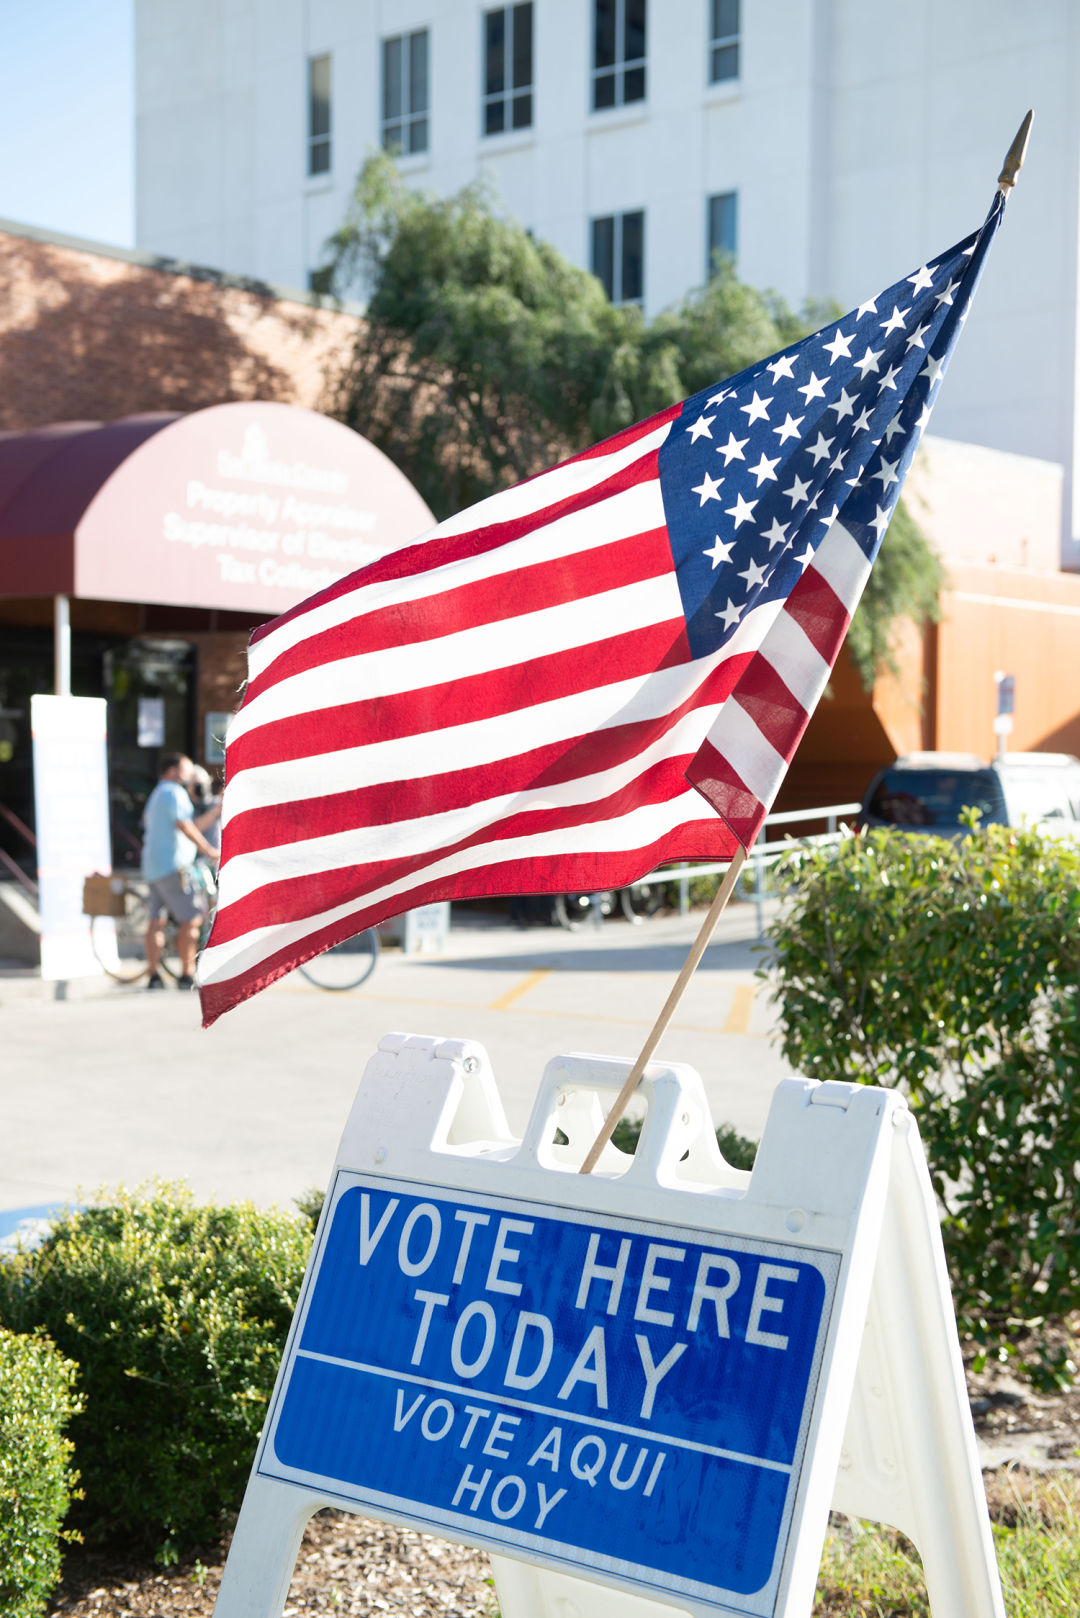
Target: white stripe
406,838
788,649
639,827
553,540
843,565
737,738
476,649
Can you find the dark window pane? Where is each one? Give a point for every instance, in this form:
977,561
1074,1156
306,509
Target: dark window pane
722,231
391,101
522,48
392,137
418,73
634,84
418,131
494,52
319,157
319,99
603,253
604,36
604,90
725,63
494,117
725,18
634,31
523,111
633,257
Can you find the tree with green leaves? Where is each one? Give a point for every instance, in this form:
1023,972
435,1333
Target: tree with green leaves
486,357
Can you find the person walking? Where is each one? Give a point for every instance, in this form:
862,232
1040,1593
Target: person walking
172,841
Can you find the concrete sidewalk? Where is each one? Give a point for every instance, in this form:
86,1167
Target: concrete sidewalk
121,1086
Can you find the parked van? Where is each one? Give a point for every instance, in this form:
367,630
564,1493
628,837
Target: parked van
928,792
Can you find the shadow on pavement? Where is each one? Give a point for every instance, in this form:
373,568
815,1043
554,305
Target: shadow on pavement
733,955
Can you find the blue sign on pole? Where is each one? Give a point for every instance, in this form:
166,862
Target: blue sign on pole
604,1394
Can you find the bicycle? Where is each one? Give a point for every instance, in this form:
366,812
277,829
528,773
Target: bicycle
638,903
124,901
345,965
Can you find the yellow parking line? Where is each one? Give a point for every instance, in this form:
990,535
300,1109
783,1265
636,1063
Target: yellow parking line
742,1003
505,1001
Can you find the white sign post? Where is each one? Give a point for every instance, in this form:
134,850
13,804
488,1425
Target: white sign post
71,808
640,1390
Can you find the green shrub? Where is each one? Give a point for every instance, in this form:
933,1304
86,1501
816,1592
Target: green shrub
176,1315
953,969
36,1477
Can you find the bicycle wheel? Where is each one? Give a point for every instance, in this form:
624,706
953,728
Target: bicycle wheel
642,901
345,965
576,910
124,962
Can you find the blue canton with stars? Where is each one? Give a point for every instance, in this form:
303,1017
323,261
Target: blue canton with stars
754,473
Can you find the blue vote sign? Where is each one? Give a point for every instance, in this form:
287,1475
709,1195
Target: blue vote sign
610,1396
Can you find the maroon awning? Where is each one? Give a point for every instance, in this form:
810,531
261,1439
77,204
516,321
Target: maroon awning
243,507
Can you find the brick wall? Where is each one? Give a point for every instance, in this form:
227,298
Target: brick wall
93,335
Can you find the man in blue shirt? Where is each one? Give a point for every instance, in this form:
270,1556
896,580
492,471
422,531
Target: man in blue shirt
172,839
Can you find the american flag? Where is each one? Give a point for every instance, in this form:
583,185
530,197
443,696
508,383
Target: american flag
607,666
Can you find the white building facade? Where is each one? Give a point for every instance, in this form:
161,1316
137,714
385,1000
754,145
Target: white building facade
831,144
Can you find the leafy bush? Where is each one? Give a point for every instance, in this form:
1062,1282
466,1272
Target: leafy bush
953,969
176,1315
36,1477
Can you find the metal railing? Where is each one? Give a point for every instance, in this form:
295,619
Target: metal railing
762,854
6,860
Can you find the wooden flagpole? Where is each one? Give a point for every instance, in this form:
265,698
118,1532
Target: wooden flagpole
708,926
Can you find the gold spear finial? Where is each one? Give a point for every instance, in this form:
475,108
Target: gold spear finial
1014,157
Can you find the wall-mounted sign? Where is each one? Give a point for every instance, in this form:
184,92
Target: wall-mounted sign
151,723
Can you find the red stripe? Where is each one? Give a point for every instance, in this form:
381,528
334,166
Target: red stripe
728,793
482,601
819,613
696,839
442,549
280,903
281,824
775,712
458,702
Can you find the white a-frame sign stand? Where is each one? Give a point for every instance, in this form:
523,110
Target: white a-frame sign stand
641,1390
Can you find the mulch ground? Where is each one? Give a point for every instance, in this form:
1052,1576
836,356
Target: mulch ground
350,1566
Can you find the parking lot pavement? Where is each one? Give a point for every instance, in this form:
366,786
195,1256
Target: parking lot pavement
125,1086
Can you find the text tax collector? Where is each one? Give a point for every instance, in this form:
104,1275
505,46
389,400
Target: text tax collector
626,1393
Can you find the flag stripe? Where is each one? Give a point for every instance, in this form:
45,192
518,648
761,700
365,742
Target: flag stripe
641,700
540,769
226,983
468,698
489,600
603,852
511,514
269,888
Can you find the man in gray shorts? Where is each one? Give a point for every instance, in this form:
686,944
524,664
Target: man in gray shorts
172,838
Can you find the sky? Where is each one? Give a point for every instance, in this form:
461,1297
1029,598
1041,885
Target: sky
67,117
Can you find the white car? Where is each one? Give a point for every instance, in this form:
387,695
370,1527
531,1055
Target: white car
927,792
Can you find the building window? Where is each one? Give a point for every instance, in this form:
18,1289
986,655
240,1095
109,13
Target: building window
508,68
720,228
723,41
618,255
405,93
618,52
318,115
